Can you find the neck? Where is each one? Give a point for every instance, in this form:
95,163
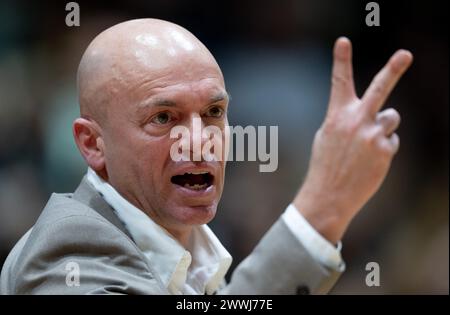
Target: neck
181,236
181,233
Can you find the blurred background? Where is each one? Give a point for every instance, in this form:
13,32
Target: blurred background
276,58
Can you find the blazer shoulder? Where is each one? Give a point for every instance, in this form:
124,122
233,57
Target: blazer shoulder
60,206
69,233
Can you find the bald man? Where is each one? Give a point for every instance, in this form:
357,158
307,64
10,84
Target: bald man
137,222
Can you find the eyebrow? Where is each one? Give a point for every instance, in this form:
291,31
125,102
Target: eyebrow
218,97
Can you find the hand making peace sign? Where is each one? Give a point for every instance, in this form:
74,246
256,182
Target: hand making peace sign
354,147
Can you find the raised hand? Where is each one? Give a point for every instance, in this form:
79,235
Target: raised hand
354,147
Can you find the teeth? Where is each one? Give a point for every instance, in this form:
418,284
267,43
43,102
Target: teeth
198,173
196,186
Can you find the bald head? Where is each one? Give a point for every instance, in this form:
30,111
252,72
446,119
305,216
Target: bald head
137,81
134,53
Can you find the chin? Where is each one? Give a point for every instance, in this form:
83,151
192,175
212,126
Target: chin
195,215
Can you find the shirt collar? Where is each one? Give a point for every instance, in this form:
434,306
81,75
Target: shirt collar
199,268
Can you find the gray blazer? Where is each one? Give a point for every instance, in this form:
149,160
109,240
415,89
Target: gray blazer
82,228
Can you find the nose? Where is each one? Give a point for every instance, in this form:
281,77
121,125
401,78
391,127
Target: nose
191,146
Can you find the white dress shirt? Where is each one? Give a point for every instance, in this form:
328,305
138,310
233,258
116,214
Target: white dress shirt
201,267
317,246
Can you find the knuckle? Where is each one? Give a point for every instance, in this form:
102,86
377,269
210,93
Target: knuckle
372,136
339,80
352,126
388,147
382,148
342,124
347,121
385,147
378,88
393,114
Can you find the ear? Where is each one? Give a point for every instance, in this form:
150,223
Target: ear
90,143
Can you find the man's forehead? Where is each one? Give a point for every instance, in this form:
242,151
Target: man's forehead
136,56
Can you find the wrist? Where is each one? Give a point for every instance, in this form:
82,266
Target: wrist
323,213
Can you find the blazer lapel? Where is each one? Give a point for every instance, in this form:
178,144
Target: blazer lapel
87,195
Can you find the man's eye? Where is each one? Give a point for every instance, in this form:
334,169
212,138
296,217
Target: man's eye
215,111
161,118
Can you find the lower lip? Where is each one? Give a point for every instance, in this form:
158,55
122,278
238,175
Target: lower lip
191,193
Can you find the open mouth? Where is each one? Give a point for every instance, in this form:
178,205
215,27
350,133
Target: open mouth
194,181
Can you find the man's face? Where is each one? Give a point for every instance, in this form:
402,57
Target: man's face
137,141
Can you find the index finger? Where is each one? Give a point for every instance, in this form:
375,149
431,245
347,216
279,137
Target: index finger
342,86
384,82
